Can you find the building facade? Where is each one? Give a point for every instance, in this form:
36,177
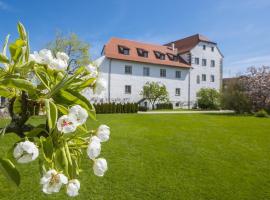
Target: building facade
184,66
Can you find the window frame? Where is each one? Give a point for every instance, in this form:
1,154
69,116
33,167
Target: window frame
146,69
203,77
197,59
126,71
177,91
204,47
178,72
212,49
127,89
123,49
204,64
213,63
212,78
162,74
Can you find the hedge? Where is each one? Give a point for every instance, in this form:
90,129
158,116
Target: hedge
104,108
161,106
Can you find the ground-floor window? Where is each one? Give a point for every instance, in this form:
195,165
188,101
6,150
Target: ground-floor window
203,77
212,78
127,89
177,91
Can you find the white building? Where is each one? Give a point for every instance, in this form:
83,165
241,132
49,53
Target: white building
184,66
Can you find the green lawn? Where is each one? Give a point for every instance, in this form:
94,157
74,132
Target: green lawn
186,156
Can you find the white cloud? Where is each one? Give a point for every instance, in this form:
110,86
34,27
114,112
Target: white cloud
235,67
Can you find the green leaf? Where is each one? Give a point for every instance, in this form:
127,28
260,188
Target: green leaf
69,97
22,31
47,147
5,92
52,113
4,52
3,58
20,84
62,109
34,132
10,171
15,49
17,105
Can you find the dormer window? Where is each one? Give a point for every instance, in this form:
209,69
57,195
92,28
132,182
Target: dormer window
123,50
142,53
159,55
172,57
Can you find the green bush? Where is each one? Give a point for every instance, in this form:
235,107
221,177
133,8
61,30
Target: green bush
208,98
161,106
104,108
261,113
142,108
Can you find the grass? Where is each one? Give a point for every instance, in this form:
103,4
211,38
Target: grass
187,156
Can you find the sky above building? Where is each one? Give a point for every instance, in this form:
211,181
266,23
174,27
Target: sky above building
240,27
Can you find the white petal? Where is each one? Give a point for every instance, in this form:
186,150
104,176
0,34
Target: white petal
103,133
100,166
80,114
63,56
63,179
73,187
93,149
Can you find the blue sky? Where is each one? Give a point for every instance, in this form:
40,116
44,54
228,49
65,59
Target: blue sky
240,27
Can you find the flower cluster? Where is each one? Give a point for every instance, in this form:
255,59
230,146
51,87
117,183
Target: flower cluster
45,57
94,149
76,117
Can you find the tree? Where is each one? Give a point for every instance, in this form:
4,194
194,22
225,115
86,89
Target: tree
256,83
235,98
59,141
208,98
76,49
155,92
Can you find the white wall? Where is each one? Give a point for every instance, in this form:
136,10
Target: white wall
208,70
119,79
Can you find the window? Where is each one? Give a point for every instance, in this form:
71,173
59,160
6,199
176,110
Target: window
123,50
198,79
172,57
177,91
212,78
213,63
127,89
203,77
178,74
204,47
146,71
128,69
159,55
197,61
162,72
212,49
177,104
204,63
189,58
142,53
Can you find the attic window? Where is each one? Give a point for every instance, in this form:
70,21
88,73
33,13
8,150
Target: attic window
172,57
123,50
142,52
159,55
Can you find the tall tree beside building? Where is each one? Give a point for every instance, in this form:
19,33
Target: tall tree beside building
73,46
155,92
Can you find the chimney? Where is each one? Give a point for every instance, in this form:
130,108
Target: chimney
173,46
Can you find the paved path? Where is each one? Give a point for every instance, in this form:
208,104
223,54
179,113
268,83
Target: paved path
187,112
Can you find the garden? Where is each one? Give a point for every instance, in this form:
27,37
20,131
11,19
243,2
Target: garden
187,156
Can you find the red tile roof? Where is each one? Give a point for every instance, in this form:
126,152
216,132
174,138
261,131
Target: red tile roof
186,44
111,51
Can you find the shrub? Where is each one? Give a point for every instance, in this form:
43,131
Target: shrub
234,97
208,98
261,113
161,106
142,108
103,108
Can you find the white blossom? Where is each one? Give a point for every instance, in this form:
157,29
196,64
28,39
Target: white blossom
35,57
94,147
100,166
45,56
52,181
62,56
67,123
25,152
103,133
100,86
73,187
58,64
80,114
93,72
